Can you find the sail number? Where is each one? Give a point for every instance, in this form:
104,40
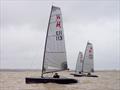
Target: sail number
90,56
58,26
59,35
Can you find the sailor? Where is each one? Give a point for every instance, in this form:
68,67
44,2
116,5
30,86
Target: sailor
89,74
79,72
56,75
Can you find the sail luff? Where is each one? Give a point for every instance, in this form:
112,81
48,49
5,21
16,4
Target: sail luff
45,44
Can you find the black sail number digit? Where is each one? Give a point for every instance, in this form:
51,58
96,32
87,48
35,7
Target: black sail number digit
59,35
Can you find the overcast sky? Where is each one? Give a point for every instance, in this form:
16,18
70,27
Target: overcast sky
23,26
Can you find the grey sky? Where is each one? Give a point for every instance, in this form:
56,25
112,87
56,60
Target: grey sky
24,24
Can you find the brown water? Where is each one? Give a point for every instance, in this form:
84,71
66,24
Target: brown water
14,80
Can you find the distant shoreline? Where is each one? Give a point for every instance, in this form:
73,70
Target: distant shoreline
18,70
21,70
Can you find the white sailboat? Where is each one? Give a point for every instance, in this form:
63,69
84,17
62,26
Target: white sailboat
79,66
88,60
79,63
54,53
88,64
54,58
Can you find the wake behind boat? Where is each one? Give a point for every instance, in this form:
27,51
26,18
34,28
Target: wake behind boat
54,59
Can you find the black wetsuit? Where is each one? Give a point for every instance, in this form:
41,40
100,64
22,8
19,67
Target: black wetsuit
56,76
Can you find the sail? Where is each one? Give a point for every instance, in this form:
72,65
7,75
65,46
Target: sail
88,65
79,63
55,53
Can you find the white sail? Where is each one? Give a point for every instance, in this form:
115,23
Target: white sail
79,63
55,53
88,65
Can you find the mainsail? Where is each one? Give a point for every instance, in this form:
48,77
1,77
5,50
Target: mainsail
88,65
54,53
79,63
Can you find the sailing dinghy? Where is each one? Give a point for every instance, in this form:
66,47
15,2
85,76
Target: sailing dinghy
54,58
88,63
79,63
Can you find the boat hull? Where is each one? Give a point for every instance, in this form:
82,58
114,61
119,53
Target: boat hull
78,75
30,80
91,76
83,75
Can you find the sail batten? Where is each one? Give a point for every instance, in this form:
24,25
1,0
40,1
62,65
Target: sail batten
54,53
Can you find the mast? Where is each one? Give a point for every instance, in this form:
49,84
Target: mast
45,44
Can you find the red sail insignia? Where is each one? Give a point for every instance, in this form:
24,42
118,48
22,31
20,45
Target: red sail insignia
58,23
